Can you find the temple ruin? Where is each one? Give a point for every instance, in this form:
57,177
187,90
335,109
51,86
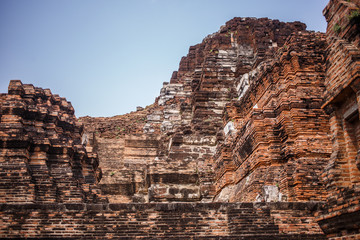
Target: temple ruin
256,136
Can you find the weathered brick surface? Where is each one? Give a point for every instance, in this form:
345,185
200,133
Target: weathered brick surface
340,218
43,158
262,119
282,132
160,221
187,116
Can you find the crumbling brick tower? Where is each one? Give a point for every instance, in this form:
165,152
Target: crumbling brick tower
172,143
279,142
43,158
342,103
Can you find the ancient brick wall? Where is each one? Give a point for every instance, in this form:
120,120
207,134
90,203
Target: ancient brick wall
342,173
160,221
261,114
187,116
279,138
125,153
43,158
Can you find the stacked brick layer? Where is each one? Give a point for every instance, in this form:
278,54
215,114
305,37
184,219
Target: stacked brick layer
261,111
160,221
186,118
42,156
341,217
281,139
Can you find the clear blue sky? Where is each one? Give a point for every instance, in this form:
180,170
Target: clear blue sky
109,56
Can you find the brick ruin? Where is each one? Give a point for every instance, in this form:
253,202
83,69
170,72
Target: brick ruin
43,157
256,136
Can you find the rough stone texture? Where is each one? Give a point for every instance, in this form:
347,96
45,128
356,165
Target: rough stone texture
42,156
